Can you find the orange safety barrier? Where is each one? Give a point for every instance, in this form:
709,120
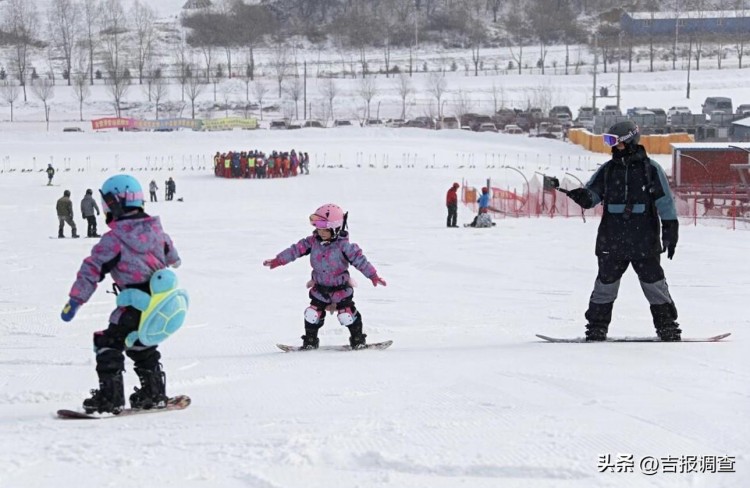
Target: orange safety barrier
654,143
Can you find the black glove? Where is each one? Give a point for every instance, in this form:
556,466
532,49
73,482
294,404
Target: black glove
582,197
669,236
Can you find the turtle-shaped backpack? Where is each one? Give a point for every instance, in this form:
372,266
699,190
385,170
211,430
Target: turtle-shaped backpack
162,312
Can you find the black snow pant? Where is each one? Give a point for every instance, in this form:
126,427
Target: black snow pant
91,227
153,196
652,281
452,214
109,345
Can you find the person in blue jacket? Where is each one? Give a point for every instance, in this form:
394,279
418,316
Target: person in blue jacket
484,205
635,194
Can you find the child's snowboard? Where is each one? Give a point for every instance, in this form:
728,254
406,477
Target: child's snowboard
179,402
374,345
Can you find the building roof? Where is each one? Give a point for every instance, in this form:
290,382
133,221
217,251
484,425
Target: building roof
743,122
691,14
196,4
709,146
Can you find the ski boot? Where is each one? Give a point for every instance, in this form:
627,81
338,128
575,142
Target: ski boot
109,398
664,316
310,339
357,338
152,393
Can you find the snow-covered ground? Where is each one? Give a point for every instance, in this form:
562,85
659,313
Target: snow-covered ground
466,396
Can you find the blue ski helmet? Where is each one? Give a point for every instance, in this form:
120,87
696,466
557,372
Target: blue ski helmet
122,189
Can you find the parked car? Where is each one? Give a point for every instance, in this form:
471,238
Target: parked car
342,123
513,129
560,109
278,125
416,123
631,111
557,130
717,103
611,110
487,127
585,113
449,123
563,119
743,109
314,124
72,129
479,120
677,111
395,123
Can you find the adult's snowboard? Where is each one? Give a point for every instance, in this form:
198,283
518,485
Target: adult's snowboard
715,338
179,402
374,345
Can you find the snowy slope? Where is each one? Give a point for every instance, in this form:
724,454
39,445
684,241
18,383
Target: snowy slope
466,396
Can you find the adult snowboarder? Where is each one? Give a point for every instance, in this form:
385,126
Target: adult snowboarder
65,215
331,286
171,188
451,201
133,250
88,208
635,194
50,174
152,189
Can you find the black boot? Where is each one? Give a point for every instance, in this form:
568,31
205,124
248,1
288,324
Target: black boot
152,393
109,398
599,316
664,316
357,339
310,339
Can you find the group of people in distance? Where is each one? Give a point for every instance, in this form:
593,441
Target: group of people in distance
256,164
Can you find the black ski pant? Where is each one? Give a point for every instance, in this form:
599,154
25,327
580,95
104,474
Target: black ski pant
91,225
109,345
153,196
452,214
652,281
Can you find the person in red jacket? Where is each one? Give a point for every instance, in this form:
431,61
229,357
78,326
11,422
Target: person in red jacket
451,201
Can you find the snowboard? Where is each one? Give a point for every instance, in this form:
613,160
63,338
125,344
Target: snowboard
715,338
179,402
66,237
347,347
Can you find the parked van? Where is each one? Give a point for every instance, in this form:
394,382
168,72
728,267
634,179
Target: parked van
717,103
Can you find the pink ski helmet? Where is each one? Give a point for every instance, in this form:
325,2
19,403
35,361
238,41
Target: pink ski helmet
329,216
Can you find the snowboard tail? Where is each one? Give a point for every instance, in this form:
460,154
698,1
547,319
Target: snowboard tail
715,338
374,345
179,402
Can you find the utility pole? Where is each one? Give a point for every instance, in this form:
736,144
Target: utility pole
596,61
619,61
304,84
690,58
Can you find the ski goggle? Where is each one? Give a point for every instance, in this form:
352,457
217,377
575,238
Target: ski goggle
612,140
318,222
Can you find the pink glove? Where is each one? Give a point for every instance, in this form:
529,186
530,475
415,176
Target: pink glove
377,280
272,263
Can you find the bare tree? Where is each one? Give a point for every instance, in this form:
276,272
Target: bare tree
462,104
436,86
193,89
44,90
144,35
20,24
113,30
90,16
295,90
542,16
9,91
740,38
280,62
517,26
329,90
367,89
63,25
404,87
260,90
498,97
158,89
81,89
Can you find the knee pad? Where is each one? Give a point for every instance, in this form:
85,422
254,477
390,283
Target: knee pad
312,315
347,316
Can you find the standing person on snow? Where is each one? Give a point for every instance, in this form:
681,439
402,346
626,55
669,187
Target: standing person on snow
451,201
50,174
152,189
88,207
635,194
171,188
331,287
132,251
65,215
